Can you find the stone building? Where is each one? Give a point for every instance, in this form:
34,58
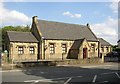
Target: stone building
50,40
105,47
21,46
59,40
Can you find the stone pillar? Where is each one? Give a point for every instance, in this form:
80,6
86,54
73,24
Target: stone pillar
102,58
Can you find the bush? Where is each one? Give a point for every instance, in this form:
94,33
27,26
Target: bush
116,49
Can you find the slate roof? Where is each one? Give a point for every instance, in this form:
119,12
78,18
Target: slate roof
59,30
77,44
16,36
104,42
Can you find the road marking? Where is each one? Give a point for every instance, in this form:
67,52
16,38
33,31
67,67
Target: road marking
43,80
51,80
67,80
12,70
35,82
96,66
107,73
104,82
94,79
117,75
42,72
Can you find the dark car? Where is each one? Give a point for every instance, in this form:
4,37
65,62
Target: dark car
112,57
113,54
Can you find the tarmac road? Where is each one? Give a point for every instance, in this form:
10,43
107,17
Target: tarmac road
105,73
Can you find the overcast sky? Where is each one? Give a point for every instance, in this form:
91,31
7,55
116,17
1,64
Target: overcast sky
102,16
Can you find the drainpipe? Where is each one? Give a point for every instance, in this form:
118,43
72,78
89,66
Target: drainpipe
98,48
44,48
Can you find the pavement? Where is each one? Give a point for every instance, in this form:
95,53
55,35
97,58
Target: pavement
64,74
13,69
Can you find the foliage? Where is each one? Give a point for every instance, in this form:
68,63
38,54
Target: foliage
116,49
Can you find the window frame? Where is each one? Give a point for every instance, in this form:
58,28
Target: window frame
64,48
52,48
102,48
107,49
93,47
32,50
20,50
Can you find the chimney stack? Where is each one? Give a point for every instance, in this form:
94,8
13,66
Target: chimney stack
88,25
34,18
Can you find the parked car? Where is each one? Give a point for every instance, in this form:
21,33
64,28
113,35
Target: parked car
112,57
113,54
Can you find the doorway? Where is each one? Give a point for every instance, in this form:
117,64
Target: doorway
84,53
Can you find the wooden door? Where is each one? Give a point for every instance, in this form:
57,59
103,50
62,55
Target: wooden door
84,52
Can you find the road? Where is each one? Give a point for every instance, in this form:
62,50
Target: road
64,74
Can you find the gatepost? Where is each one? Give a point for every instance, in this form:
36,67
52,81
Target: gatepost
102,58
6,56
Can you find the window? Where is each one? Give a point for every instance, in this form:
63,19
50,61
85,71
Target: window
93,47
64,48
31,50
107,49
52,48
102,48
20,50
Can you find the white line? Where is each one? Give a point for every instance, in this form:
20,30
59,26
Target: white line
117,75
46,80
11,70
96,66
51,79
94,79
104,82
65,77
67,80
107,73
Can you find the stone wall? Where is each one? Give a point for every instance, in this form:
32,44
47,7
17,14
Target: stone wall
13,51
92,53
58,49
105,52
59,63
80,61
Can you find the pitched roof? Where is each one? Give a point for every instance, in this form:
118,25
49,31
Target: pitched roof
104,42
77,44
59,30
21,36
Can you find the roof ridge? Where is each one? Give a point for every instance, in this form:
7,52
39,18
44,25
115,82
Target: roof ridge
62,22
92,32
104,40
19,31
